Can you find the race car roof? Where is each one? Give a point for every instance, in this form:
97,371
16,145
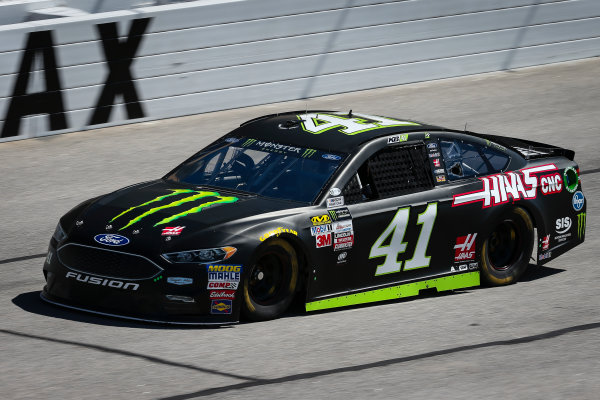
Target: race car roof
326,130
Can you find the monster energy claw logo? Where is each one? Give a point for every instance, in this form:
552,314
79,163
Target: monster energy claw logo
308,153
248,142
194,196
581,225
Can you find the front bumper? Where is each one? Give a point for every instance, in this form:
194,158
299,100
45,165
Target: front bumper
151,299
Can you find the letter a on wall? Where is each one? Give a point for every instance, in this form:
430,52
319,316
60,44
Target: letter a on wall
47,102
119,54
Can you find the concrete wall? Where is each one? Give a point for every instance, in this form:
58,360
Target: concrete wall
85,72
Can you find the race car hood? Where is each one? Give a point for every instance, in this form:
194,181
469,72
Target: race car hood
147,214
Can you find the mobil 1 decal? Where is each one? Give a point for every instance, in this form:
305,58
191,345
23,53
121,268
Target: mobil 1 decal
390,248
40,49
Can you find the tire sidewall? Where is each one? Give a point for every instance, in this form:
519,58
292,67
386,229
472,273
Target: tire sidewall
258,312
524,225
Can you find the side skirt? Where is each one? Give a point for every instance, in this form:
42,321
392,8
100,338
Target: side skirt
442,284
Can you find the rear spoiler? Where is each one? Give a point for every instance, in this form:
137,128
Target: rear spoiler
528,148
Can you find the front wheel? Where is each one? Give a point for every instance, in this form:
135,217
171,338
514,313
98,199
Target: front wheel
506,251
270,286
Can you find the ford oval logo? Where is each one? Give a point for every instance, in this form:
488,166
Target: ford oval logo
578,201
332,157
110,239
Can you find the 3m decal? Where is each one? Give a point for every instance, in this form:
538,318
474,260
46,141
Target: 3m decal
323,240
277,232
119,54
317,123
93,280
320,219
191,196
172,231
396,229
464,249
581,225
578,201
221,306
50,101
500,188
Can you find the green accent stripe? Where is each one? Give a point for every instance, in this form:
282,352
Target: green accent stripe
175,193
199,208
450,282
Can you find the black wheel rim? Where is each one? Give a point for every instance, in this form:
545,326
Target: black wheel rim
268,278
504,247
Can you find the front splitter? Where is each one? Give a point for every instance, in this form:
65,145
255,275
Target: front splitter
130,318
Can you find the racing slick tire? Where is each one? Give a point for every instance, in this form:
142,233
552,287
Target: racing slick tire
271,284
506,251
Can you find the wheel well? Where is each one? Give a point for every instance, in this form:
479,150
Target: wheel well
300,253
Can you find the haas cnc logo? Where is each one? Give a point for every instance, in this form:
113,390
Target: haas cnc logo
465,247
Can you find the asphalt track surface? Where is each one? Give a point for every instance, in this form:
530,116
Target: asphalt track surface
538,339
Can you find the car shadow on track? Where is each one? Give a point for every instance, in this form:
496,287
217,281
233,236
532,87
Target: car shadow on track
32,303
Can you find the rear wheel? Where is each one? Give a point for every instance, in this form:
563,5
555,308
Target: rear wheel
270,286
506,251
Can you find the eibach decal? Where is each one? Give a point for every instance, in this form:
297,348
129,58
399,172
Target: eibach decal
522,184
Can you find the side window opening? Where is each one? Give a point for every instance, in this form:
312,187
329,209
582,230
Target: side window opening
465,160
392,171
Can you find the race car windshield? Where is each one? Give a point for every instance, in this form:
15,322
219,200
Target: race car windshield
263,168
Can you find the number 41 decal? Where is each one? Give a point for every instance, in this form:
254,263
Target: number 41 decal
397,229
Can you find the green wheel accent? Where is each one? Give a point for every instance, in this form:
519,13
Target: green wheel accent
442,284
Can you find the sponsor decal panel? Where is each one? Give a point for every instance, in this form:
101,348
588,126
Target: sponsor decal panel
335,202
224,276
432,145
440,178
342,226
331,157
464,249
94,280
439,171
434,154
397,139
581,225
110,239
502,188
220,306
319,229
571,184
578,200
178,280
323,240
342,246
545,243
551,183
562,228
172,230
436,162
339,213
473,265
201,199
320,219
545,256
277,232
222,294
342,258
463,267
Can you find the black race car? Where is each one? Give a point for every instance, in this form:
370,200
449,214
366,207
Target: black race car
340,208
